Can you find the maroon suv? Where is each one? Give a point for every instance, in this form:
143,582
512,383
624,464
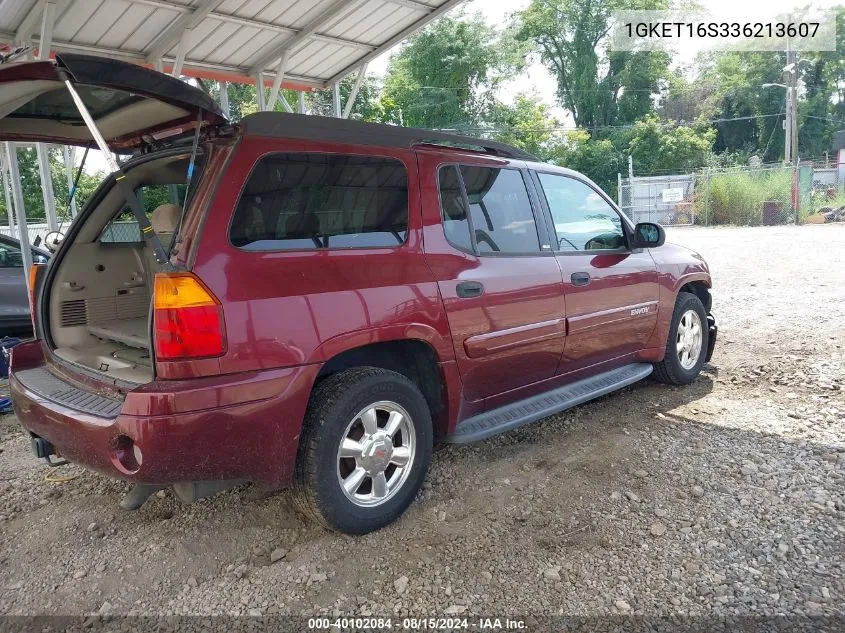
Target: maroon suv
298,300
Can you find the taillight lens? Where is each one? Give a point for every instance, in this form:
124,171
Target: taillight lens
34,271
187,318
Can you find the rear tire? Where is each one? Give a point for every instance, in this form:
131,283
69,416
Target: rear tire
686,346
365,449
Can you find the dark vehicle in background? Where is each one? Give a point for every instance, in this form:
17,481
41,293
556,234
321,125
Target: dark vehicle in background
15,316
333,298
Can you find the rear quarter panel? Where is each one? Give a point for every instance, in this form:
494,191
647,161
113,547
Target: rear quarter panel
286,308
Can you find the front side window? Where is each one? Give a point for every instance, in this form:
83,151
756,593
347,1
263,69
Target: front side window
583,220
314,201
500,210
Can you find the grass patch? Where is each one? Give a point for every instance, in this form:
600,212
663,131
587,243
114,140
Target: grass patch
738,197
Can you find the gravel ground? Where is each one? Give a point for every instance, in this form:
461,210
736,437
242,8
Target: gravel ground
723,498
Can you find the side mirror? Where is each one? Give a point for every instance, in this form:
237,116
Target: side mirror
648,235
52,240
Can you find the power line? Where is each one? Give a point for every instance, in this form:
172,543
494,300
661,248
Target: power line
829,120
570,128
771,136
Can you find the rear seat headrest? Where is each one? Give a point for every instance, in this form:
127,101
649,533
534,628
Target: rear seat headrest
165,218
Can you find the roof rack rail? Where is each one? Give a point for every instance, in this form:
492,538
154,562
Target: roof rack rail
321,128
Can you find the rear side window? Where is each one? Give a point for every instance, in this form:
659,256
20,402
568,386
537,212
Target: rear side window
313,201
500,210
455,220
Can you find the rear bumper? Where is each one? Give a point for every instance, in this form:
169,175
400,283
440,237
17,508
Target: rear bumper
244,426
713,331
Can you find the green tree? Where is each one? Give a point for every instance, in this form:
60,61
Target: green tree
748,115
526,123
822,109
243,100
597,158
447,76
599,87
367,106
33,198
665,147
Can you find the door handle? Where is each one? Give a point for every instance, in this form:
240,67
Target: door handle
580,279
469,289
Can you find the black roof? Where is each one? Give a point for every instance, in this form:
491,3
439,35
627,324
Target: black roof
322,128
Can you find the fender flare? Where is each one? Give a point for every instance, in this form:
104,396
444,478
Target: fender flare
683,280
330,348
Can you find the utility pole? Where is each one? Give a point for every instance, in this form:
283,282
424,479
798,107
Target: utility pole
791,122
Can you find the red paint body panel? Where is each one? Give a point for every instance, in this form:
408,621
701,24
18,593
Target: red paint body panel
600,318
512,335
287,308
218,428
239,416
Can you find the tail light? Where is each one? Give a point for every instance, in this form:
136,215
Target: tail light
34,276
187,318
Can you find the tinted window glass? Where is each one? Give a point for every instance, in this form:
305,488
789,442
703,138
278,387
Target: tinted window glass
10,256
583,220
307,201
58,105
500,210
455,222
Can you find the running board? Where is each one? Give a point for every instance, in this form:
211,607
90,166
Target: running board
523,412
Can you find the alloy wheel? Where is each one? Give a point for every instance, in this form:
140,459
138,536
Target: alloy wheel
688,339
376,454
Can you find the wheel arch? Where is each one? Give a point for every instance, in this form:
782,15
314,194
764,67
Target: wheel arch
415,358
699,286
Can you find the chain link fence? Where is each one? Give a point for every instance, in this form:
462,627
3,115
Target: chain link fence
744,196
114,232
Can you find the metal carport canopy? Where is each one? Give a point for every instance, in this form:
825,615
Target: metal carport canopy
311,43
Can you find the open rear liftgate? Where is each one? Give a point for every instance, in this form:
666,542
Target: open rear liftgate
42,448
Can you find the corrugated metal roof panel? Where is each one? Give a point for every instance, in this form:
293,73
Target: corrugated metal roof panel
122,30
12,12
229,39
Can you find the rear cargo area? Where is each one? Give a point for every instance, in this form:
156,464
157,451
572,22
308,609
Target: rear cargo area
99,297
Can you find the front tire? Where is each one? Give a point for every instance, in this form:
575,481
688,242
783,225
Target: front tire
365,449
686,347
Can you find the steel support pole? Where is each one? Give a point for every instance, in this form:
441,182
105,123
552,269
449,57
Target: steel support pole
224,97
353,94
10,215
20,212
619,190
70,156
259,92
301,96
336,98
43,151
181,52
48,20
277,80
